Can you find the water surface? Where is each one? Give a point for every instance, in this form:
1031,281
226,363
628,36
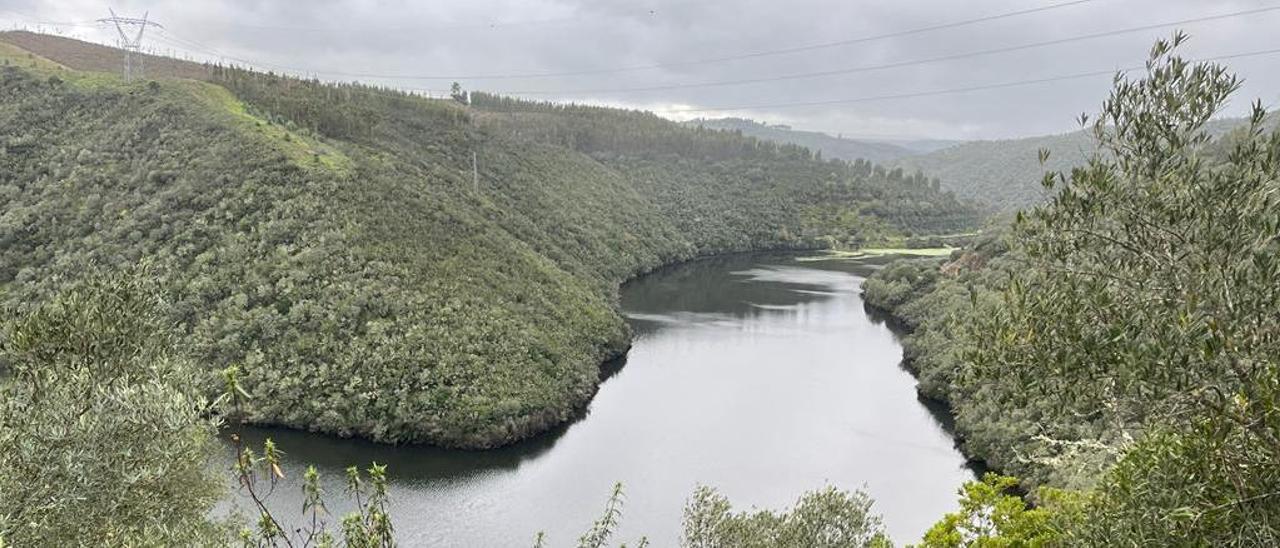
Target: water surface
761,376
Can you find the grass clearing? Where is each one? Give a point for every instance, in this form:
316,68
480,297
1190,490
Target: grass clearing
880,252
16,56
306,151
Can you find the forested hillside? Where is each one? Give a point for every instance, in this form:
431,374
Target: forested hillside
830,146
1001,176
1004,175
336,242
1120,341
708,182
180,254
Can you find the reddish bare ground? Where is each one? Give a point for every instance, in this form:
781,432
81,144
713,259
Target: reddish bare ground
87,56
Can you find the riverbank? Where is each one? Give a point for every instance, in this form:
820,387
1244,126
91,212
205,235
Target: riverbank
536,425
613,349
724,347
936,399
936,302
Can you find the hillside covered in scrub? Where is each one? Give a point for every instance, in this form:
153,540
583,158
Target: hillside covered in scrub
385,265
1003,176
829,145
1117,346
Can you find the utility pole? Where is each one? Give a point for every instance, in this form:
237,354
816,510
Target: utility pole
132,46
475,171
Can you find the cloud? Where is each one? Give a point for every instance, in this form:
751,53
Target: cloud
337,39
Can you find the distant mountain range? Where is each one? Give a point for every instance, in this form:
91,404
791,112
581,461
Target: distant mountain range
1002,175
999,175
880,151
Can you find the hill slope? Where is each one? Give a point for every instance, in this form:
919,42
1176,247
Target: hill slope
1004,175
829,146
335,242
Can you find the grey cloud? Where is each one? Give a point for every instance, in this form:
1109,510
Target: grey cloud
533,36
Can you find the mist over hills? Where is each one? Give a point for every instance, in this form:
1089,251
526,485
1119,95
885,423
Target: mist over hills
1004,175
999,175
830,146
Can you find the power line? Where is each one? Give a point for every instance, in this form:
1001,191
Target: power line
37,21
900,64
462,26
710,60
182,43
478,25
184,47
482,24
820,74
175,40
898,34
196,47
1108,72
950,91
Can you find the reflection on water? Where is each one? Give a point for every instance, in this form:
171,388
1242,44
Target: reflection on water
761,376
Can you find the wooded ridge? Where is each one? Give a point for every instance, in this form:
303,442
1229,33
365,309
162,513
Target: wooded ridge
385,265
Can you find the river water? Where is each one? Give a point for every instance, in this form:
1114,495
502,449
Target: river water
762,376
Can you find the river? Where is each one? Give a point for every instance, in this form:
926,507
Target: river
762,376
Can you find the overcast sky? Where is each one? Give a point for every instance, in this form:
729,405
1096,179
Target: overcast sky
388,42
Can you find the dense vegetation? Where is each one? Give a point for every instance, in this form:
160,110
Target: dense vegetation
109,442
751,190
1116,346
827,145
1004,175
104,433
1121,340
389,266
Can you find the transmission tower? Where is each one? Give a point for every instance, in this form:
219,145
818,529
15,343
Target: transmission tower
132,46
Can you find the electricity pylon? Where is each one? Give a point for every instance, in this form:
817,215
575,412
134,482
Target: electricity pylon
132,46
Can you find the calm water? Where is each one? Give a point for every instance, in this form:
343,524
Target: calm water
761,376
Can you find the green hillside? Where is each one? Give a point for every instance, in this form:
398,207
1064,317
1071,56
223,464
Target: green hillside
1004,175
829,146
335,242
1117,346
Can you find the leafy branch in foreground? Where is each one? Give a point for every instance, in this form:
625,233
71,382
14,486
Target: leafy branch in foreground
258,475
1126,342
604,527
990,515
1151,300
108,441
820,519
105,439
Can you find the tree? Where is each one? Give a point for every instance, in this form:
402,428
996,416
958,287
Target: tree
990,516
1148,308
106,439
821,519
258,473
